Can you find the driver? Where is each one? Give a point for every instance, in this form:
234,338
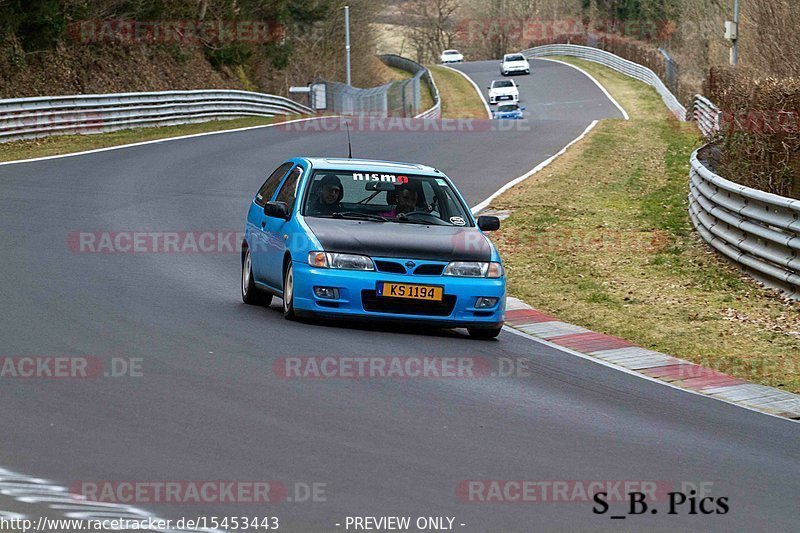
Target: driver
329,193
406,202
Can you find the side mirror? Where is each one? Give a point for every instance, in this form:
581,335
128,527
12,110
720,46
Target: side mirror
522,108
488,223
276,210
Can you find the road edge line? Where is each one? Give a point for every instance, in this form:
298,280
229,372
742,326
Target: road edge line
600,85
607,364
485,203
153,141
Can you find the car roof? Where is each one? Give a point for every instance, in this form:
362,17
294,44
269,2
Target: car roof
367,165
450,51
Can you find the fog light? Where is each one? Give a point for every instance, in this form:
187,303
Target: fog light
485,303
329,293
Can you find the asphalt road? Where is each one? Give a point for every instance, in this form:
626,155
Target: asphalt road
550,92
210,407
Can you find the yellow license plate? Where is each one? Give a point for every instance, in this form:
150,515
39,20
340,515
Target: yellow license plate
413,292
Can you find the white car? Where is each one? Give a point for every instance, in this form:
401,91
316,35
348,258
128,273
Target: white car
452,56
503,91
514,64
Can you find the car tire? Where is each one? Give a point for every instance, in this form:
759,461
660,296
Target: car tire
484,333
288,292
251,294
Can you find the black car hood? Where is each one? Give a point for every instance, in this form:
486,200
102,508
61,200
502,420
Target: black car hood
401,240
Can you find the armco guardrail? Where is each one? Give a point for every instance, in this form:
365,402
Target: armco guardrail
435,111
629,68
758,230
418,70
707,115
28,118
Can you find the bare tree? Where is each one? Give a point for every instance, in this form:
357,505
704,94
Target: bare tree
432,27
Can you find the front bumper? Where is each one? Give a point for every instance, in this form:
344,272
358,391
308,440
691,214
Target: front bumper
357,297
510,98
516,70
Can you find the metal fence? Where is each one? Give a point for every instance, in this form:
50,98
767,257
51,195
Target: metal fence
29,118
629,68
423,75
707,115
397,98
671,71
346,100
758,230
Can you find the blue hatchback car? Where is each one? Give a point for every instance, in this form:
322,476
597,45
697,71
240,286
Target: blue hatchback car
378,240
509,111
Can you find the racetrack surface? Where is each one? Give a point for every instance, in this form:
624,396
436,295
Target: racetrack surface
210,407
551,91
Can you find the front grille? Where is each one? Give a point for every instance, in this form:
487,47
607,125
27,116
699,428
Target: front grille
429,270
407,307
390,266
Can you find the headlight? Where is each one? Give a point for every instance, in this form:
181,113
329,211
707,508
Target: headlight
474,269
343,261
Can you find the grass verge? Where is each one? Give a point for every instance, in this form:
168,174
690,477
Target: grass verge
602,238
64,144
459,99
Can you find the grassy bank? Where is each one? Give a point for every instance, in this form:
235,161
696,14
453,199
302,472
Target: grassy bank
459,99
602,238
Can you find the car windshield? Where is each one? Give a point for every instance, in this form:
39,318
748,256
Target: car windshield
450,52
509,107
515,58
384,197
502,83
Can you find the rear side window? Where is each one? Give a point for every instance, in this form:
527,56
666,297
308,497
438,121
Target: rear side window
268,189
288,193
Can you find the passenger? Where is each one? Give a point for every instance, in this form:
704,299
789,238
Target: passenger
406,201
329,194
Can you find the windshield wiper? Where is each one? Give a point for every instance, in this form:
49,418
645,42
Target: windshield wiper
356,215
402,217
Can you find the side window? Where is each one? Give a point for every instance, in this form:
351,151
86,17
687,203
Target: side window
429,197
288,192
268,189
